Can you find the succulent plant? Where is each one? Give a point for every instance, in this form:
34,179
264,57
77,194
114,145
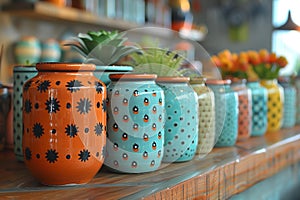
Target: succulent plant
102,47
162,62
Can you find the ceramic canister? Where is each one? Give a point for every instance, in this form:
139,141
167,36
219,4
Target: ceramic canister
259,108
64,117
206,116
226,104
181,127
20,75
289,105
27,50
275,104
135,133
51,51
245,108
297,86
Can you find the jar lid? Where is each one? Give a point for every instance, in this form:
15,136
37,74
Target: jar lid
67,67
132,76
218,82
173,79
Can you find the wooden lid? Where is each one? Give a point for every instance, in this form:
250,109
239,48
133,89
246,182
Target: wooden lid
132,76
173,79
218,82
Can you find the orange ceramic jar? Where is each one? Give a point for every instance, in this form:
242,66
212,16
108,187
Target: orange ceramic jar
64,117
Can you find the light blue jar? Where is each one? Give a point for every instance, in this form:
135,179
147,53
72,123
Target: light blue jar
27,50
20,75
181,127
259,108
297,86
289,104
51,51
226,104
135,133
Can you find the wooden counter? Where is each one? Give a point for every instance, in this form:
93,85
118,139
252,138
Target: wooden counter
221,174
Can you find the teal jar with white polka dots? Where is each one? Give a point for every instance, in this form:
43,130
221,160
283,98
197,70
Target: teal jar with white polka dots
226,104
259,108
135,133
181,126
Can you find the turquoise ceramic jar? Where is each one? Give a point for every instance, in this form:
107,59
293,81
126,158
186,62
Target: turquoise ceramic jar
206,116
20,75
297,86
259,108
135,134
226,103
289,105
181,127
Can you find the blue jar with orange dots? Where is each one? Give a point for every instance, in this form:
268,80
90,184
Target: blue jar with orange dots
135,133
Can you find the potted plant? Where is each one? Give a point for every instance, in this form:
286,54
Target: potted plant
104,49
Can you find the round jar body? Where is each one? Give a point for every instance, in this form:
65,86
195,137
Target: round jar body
135,133
206,117
64,116
181,127
289,105
244,108
27,50
21,74
259,108
226,104
275,104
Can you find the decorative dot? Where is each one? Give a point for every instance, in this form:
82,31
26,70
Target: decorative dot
68,105
38,156
36,106
53,131
97,154
98,104
68,156
175,124
86,130
57,82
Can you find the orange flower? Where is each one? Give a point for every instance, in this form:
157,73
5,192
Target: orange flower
263,55
281,61
253,57
272,58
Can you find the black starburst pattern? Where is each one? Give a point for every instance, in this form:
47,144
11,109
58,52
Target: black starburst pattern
99,87
104,105
28,153
98,128
27,106
43,86
84,155
71,130
51,155
74,85
27,85
84,106
52,105
38,130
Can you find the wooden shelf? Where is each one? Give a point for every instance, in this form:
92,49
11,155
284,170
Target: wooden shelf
48,11
221,174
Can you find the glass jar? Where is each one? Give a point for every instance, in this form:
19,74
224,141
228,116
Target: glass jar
226,104
181,127
64,118
245,108
206,116
259,108
135,133
289,105
275,104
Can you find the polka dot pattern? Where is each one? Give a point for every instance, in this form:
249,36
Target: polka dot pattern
206,117
275,104
259,108
20,76
64,136
226,103
289,111
181,127
135,126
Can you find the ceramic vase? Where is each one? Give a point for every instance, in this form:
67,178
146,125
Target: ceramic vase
64,117
289,105
181,127
245,108
297,86
259,108
21,74
135,133
226,104
206,116
51,51
27,50
275,104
